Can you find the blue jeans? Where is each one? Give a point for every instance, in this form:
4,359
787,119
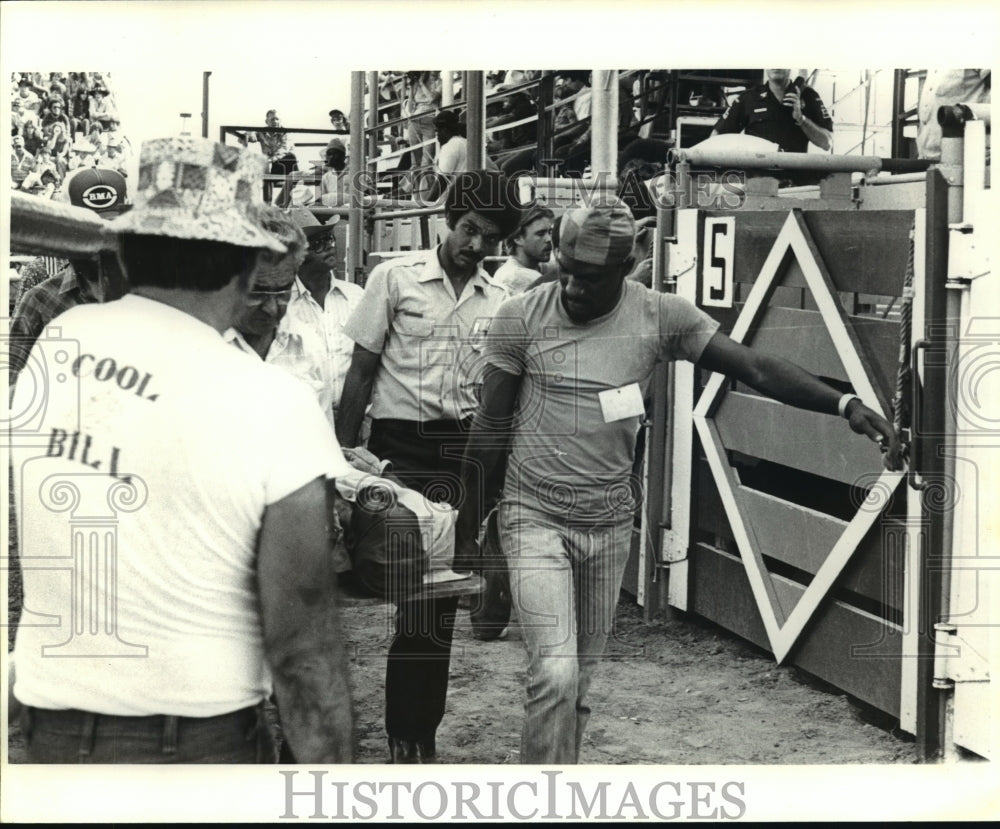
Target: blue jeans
565,577
82,737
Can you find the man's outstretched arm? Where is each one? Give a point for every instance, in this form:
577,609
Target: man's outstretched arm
302,635
489,441
788,383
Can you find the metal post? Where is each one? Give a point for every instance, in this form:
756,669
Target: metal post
929,428
475,120
447,87
545,120
204,104
356,166
373,129
604,122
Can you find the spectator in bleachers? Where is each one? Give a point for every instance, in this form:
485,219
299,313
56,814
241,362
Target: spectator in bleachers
422,100
58,79
102,107
75,82
515,107
58,146
334,186
452,156
21,161
95,135
19,116
81,154
27,95
33,138
80,108
338,121
56,114
43,179
571,124
114,158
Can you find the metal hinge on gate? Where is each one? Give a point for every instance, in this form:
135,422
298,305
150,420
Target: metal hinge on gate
674,548
955,660
966,261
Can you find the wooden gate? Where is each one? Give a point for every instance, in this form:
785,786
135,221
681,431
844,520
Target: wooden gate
795,536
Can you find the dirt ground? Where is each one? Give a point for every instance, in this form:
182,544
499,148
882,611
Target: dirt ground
675,691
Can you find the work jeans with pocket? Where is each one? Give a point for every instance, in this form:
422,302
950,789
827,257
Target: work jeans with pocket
565,577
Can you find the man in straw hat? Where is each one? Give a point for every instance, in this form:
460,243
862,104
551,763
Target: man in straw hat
573,357
417,331
215,586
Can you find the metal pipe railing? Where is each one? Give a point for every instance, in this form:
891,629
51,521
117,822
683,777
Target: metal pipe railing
778,161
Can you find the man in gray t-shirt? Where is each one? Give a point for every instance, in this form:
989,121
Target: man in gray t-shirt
568,366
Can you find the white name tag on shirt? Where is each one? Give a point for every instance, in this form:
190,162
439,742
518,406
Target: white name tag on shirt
620,403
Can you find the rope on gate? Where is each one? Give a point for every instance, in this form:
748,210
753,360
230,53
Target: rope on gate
904,376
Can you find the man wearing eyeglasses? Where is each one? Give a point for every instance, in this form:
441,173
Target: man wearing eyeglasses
258,329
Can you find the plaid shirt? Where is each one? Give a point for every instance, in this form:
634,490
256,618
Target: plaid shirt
38,307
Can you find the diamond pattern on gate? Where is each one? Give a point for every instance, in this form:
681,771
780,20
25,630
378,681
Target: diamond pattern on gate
784,628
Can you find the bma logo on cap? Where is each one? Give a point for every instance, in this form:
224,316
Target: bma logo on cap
100,196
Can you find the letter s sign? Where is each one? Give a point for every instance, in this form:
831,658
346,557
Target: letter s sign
717,267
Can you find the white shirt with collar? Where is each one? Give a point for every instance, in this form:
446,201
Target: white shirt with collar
292,352
430,341
324,326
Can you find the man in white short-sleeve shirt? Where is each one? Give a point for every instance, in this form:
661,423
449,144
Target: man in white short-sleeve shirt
568,363
530,247
172,503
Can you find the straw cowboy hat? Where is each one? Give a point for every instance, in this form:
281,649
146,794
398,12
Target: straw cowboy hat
309,224
194,188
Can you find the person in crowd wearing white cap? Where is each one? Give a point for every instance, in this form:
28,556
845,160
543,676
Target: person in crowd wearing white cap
530,247
567,363
82,280
417,331
81,154
320,306
215,468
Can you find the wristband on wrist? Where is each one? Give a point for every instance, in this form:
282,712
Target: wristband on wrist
842,403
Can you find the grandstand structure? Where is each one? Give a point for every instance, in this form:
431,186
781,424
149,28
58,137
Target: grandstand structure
876,277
